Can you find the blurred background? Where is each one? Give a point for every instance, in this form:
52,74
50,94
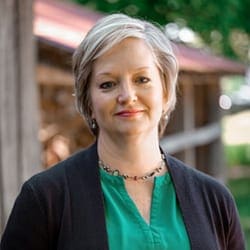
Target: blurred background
209,130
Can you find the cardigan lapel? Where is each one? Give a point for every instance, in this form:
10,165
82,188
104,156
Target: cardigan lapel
88,216
191,205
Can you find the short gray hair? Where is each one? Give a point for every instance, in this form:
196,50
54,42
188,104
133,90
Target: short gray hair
108,32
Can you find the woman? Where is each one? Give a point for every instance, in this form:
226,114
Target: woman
123,192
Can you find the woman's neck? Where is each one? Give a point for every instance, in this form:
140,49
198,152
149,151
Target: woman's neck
132,156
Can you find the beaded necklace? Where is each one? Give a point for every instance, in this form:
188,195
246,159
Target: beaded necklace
145,177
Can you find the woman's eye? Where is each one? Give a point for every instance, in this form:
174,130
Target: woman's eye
142,79
107,85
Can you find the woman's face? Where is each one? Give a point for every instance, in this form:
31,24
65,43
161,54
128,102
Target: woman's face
126,90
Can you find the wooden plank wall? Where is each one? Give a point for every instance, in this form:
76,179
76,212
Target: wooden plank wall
19,146
198,140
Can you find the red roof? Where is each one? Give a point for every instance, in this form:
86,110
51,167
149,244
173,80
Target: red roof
65,24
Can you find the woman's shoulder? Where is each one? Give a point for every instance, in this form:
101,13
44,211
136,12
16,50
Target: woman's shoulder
56,177
204,198
197,182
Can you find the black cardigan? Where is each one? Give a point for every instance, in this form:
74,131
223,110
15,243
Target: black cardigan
62,208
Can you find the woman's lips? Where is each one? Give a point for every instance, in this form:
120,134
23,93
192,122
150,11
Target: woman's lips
129,113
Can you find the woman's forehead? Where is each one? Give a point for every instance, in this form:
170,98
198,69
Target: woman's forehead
130,52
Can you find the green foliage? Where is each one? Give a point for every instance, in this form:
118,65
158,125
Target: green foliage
241,191
224,24
237,154
230,84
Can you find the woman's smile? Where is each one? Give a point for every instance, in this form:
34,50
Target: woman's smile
130,113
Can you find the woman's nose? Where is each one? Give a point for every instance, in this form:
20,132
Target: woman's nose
127,94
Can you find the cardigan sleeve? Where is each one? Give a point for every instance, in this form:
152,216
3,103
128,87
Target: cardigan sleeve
235,239
27,226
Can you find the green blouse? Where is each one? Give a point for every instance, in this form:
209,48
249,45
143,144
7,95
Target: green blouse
126,228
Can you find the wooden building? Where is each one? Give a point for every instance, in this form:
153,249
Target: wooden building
194,130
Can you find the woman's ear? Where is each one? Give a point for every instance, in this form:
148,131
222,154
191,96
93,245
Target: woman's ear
165,100
164,90
91,112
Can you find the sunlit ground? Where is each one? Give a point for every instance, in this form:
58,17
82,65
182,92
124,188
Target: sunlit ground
237,128
236,138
